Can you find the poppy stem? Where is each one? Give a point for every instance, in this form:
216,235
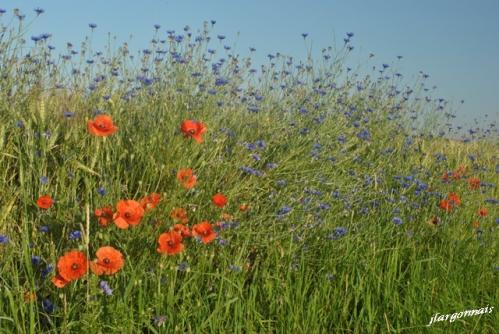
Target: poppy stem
87,242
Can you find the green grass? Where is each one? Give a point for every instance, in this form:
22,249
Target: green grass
294,278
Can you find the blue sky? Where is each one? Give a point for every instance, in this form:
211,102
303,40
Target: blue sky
455,41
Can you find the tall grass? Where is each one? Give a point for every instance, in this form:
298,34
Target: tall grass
352,153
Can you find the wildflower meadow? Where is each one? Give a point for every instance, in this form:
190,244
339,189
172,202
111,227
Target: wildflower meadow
182,189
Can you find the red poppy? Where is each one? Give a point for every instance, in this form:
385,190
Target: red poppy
105,215
446,205
102,126
204,231
72,265
170,243
182,230
244,207
474,183
482,212
458,173
193,129
109,261
44,202
454,198
179,215
59,281
475,224
186,178
219,200
150,201
130,212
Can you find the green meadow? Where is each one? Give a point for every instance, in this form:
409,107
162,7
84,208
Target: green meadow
341,176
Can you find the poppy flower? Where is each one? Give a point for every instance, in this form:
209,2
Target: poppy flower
150,201
105,215
244,207
475,224
129,212
454,198
59,281
101,126
186,178
204,232
446,205
219,200
170,243
482,212
182,230
193,129
179,215
72,265
474,183
458,173
109,261
44,202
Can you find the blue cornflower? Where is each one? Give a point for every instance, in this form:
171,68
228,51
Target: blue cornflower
2,11
43,229
256,157
271,165
47,270
221,241
44,179
397,221
304,35
36,260
101,191
364,135
92,25
47,305
253,109
105,288
75,235
250,146
69,114
249,170
284,211
183,266
281,183
260,143
221,37
20,124
3,239
221,81
324,206
338,233
157,26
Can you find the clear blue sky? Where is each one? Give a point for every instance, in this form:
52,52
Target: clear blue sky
455,41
